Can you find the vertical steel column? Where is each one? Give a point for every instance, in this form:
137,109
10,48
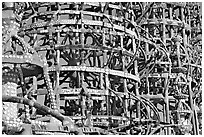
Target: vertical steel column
166,98
189,23
136,71
169,51
124,80
147,77
102,80
108,93
183,29
171,28
82,64
57,94
195,126
147,53
106,84
34,35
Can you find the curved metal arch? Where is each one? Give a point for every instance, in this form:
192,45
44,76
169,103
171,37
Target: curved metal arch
144,100
145,106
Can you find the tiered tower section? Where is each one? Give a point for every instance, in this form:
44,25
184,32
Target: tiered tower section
104,68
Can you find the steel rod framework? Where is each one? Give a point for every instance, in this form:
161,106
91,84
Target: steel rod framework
102,68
